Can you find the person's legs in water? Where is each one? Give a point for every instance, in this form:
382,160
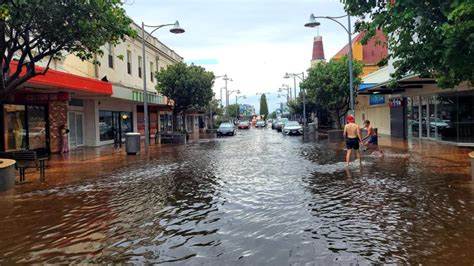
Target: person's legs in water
348,156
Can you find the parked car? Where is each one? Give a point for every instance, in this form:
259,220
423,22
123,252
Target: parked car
274,122
226,129
261,124
244,125
292,128
280,124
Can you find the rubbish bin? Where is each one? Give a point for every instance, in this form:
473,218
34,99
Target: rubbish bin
7,174
132,143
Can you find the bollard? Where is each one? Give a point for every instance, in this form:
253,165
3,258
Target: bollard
471,156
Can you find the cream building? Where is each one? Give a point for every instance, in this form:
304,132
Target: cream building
101,120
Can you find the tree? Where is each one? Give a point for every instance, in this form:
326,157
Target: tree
263,106
189,87
234,110
429,38
327,86
273,115
39,31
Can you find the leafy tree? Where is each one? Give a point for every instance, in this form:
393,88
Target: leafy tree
34,31
273,115
429,38
216,107
189,87
327,86
263,105
233,110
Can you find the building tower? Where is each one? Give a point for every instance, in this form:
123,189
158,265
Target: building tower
318,50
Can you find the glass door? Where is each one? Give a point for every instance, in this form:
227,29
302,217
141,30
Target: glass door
76,132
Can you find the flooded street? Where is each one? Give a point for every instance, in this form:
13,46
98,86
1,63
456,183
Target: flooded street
258,198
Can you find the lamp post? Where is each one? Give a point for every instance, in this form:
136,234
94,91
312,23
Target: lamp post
237,97
300,76
176,29
226,79
287,88
210,107
288,92
228,93
314,23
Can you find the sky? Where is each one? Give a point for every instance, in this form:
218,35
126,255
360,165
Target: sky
254,42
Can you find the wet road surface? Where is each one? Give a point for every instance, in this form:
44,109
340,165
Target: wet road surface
258,198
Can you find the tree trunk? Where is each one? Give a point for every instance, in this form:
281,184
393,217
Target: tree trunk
184,120
175,121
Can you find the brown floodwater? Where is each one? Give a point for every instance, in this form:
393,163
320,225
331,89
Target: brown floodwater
258,198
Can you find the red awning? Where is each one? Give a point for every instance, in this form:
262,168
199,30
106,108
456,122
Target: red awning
63,80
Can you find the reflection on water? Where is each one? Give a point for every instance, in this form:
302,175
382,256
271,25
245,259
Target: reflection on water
257,198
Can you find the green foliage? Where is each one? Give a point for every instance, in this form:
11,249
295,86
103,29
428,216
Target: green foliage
233,110
429,38
188,86
273,115
263,105
327,86
216,107
32,31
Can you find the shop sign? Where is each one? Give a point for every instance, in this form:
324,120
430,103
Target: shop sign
376,99
44,97
395,102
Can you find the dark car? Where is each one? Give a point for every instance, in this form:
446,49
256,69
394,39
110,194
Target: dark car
280,124
226,129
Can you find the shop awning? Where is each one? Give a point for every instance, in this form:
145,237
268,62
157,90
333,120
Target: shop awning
71,83
409,82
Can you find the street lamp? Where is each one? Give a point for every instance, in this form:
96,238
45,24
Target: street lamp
300,76
288,91
228,93
176,29
210,107
288,88
237,97
314,23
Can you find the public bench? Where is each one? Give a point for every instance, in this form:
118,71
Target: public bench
27,159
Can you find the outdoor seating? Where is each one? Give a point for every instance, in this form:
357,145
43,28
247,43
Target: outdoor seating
27,159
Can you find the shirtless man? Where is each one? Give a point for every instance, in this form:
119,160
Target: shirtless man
352,137
371,140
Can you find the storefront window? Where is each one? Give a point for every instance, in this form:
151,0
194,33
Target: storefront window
106,127
15,130
114,125
446,118
36,127
466,117
126,123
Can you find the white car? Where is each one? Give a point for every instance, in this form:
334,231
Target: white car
292,128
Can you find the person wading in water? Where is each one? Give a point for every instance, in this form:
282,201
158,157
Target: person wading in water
352,137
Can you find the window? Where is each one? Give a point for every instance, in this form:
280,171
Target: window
129,62
140,63
110,55
151,71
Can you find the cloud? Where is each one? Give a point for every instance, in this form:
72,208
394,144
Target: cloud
253,42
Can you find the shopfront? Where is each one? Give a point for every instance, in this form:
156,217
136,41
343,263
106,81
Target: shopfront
113,125
25,127
444,117
32,116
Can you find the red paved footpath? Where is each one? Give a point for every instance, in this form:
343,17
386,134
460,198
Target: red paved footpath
86,163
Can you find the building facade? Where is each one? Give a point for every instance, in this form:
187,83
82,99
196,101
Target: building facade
99,103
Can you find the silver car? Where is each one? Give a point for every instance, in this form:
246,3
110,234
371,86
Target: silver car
292,128
226,129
